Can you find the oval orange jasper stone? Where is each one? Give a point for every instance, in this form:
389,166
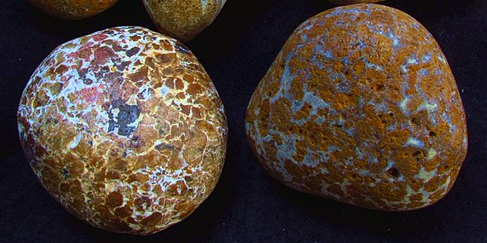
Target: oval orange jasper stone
361,106
125,129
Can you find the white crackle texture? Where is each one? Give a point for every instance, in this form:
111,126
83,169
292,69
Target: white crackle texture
125,129
361,106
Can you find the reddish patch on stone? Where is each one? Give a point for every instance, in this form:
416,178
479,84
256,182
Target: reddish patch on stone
102,55
107,139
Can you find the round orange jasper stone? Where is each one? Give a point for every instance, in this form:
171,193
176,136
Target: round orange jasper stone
125,129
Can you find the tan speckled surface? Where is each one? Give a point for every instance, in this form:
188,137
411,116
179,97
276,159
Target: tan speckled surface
73,9
125,129
183,19
361,106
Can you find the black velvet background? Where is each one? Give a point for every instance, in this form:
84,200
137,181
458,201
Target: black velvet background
248,205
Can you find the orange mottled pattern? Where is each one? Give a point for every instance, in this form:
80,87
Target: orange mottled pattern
73,9
361,106
183,19
125,129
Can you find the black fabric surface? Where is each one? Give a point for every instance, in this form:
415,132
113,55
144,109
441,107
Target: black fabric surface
248,205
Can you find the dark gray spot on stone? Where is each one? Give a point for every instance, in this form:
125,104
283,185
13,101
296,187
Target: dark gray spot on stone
133,51
65,173
82,73
136,142
161,131
127,114
123,65
125,130
393,172
164,146
102,73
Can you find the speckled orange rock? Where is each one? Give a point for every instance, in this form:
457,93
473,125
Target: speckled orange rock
345,2
125,129
73,9
361,106
183,19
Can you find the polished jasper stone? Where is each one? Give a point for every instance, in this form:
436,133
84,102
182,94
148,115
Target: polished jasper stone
183,19
361,106
73,9
125,129
344,2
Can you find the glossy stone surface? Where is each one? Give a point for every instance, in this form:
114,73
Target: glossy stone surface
125,129
73,9
345,2
361,106
183,19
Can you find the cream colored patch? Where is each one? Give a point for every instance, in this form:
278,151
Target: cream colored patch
75,141
425,175
431,154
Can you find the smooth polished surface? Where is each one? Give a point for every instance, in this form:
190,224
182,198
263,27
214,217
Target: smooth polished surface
345,2
125,129
73,9
361,106
183,19
248,205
